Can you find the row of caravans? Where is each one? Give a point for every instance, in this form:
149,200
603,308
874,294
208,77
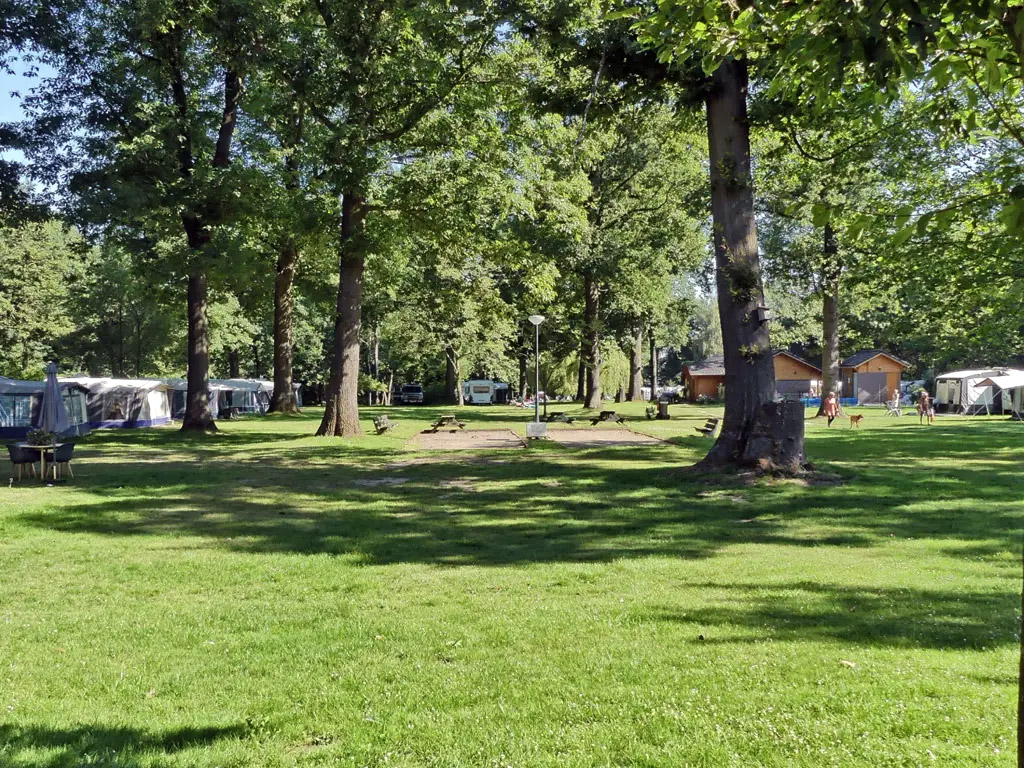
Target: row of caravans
95,403
983,390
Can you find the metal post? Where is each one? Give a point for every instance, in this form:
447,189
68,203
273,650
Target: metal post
536,371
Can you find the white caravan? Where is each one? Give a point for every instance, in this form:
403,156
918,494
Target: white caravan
484,392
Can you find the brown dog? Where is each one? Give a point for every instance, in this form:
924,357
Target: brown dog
856,420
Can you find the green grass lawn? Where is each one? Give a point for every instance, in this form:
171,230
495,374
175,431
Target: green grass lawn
262,598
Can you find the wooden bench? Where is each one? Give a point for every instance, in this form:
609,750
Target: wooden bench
383,424
447,421
708,430
607,416
559,416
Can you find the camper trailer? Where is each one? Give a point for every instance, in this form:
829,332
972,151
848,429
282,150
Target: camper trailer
1007,392
124,403
484,392
21,405
963,392
243,395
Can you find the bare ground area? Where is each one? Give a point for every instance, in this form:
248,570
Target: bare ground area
600,437
467,440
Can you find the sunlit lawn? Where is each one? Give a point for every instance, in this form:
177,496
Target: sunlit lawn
266,598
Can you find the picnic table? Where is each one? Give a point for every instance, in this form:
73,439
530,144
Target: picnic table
560,416
42,456
446,421
608,416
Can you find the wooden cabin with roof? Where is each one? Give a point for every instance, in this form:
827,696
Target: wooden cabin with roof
704,379
794,376
871,375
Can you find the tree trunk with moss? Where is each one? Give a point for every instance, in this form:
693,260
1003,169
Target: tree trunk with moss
751,417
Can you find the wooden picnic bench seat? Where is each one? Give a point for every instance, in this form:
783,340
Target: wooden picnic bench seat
708,430
383,424
607,416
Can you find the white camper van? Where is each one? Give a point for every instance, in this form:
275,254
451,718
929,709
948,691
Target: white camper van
484,392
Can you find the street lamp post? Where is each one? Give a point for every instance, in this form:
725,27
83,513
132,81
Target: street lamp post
537,320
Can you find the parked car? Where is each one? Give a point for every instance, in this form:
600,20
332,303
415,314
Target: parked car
411,394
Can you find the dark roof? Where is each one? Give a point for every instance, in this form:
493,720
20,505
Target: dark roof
796,357
713,366
866,354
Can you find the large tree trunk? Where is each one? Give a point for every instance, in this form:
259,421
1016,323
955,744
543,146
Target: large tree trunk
233,367
749,371
373,397
522,374
636,367
592,329
830,274
341,413
198,415
581,373
283,400
452,387
652,342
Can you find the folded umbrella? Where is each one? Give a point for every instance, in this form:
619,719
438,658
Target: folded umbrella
55,413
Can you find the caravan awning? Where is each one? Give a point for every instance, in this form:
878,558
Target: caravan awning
1010,380
970,374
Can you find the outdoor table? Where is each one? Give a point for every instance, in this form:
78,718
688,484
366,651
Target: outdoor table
42,455
447,421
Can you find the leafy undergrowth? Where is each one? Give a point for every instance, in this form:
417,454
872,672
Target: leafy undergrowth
261,597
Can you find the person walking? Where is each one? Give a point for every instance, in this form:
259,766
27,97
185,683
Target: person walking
831,407
925,408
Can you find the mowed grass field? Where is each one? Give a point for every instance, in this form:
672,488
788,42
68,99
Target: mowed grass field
266,598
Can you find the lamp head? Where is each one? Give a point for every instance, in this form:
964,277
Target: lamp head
536,319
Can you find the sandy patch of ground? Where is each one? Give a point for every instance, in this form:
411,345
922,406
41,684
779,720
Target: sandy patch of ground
467,440
600,437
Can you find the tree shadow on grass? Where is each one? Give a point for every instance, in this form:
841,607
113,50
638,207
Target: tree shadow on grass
45,747
884,617
506,508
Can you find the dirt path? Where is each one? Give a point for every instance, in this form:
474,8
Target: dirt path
467,440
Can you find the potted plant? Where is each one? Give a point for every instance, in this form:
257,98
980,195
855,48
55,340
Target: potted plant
40,437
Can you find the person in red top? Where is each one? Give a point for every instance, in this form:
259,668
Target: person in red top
831,407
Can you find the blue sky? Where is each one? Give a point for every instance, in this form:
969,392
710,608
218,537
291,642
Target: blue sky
10,106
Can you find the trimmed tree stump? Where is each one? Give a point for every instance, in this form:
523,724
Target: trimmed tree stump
776,442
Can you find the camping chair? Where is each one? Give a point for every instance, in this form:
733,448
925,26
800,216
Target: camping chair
22,456
61,457
894,409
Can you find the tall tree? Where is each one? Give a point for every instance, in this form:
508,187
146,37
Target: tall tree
139,121
376,72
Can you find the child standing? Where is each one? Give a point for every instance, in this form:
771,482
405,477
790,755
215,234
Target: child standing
831,407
